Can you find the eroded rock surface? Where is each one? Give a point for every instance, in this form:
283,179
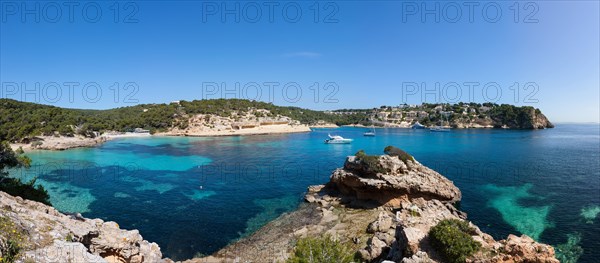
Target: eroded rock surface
401,181
50,236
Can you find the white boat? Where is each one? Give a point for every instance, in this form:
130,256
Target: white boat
370,133
417,125
440,128
336,139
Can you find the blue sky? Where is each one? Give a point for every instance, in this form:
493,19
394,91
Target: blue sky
360,54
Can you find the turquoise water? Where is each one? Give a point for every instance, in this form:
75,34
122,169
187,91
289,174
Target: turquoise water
195,195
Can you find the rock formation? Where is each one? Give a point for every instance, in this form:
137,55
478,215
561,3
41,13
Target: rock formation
385,211
402,180
253,121
46,235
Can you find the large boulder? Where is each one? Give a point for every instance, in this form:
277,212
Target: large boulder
392,181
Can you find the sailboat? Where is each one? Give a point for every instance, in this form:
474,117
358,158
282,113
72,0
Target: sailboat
370,133
439,128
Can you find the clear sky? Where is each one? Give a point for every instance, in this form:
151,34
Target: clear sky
360,54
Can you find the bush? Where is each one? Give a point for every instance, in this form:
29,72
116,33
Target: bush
12,240
322,250
360,154
452,238
394,151
13,186
370,162
29,190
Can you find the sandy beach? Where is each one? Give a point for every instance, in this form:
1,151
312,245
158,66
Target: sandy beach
63,142
259,130
328,125
59,143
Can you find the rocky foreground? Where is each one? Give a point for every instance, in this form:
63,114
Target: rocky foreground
385,210
42,234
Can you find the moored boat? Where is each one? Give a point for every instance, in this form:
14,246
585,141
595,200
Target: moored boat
370,133
417,125
439,129
336,139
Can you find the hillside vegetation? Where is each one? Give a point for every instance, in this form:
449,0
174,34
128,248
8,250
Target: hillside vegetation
460,115
22,120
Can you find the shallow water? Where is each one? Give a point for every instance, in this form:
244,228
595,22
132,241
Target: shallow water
195,195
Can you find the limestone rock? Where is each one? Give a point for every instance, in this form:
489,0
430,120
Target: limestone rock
56,237
383,223
419,257
524,249
401,180
375,248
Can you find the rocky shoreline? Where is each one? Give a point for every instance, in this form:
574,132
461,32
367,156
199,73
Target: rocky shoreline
60,143
384,213
43,234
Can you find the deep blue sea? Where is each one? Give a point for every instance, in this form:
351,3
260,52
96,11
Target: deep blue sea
196,195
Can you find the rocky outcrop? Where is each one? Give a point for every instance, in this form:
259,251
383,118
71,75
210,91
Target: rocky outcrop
535,119
522,118
251,122
385,211
59,142
400,180
421,199
46,235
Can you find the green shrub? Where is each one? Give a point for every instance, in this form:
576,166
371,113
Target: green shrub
370,162
29,190
360,154
12,240
452,238
69,238
13,186
394,151
322,249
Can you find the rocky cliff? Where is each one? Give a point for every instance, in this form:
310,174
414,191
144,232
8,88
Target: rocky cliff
34,232
383,207
461,115
252,121
523,118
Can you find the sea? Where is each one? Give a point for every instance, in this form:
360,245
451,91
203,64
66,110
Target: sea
195,195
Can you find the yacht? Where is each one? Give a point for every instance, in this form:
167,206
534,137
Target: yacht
417,125
336,139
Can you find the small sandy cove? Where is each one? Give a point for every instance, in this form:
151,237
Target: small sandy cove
259,130
63,142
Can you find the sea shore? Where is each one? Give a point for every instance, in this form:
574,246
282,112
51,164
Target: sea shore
60,143
259,130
